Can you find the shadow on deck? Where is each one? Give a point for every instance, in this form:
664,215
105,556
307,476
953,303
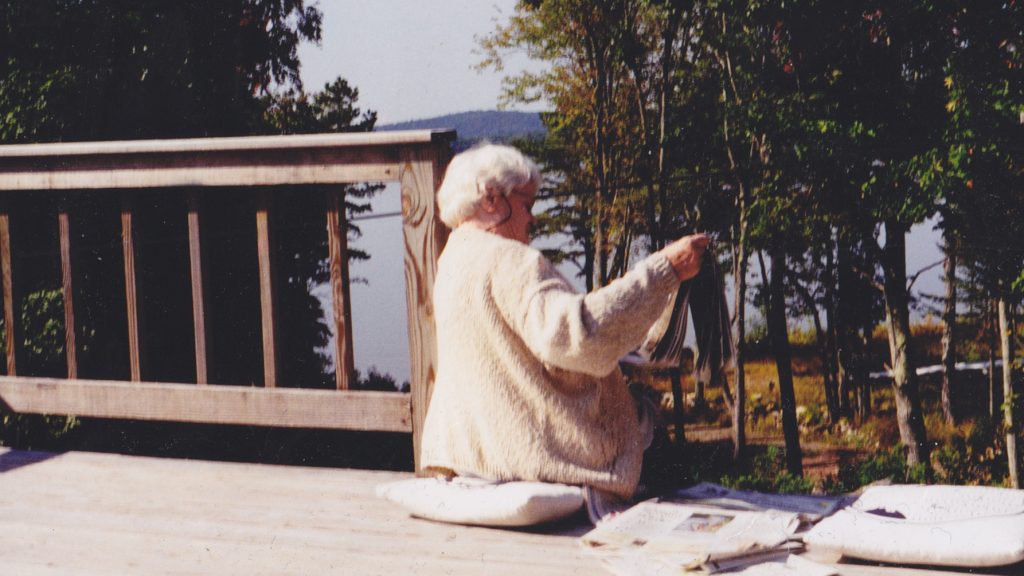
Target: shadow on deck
12,460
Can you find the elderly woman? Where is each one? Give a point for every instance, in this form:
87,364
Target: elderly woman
528,385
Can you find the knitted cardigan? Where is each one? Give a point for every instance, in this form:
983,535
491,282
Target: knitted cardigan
528,385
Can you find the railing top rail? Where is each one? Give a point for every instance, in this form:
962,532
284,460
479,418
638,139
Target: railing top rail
228,144
216,162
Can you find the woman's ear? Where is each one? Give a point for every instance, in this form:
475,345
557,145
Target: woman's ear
489,202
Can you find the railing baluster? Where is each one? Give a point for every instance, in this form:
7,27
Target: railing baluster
131,290
8,289
70,347
337,243
198,301
267,290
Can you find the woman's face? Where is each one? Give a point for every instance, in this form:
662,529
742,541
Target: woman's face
520,219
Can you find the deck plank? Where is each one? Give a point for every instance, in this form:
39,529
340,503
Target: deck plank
84,513
87,513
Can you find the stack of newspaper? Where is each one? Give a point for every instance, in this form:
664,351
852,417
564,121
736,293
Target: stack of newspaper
710,529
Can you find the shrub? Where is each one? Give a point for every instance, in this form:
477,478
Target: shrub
974,456
888,465
768,474
43,341
35,432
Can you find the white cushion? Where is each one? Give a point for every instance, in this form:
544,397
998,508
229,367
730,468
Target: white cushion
480,502
972,526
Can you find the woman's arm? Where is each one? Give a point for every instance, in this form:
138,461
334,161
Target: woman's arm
590,333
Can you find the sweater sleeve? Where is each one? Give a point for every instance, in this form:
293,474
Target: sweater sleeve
584,333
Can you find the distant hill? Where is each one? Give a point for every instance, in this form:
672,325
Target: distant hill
483,124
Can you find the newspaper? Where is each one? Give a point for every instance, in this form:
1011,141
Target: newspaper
702,300
691,537
810,508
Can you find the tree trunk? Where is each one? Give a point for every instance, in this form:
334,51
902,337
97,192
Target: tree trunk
666,88
849,349
995,388
822,339
862,375
949,332
739,434
830,354
588,261
778,334
1009,402
904,376
599,65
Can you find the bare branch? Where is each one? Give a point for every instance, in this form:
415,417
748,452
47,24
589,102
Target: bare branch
922,271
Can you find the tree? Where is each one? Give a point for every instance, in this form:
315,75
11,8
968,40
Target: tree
949,332
984,91
625,154
762,111
303,243
577,37
880,68
108,69
816,132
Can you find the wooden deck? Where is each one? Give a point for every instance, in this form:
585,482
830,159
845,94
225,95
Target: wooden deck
90,513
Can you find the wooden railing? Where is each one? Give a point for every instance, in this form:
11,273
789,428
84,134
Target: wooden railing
415,159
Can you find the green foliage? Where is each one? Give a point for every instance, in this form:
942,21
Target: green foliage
35,432
884,465
108,70
101,69
332,109
803,129
975,458
375,380
768,474
42,323
42,329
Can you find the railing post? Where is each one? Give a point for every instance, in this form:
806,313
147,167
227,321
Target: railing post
422,170
268,293
195,253
10,328
131,288
337,249
70,346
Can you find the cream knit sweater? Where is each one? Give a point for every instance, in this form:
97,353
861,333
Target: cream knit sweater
528,385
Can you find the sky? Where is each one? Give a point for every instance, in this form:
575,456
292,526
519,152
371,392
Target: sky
412,60
409,59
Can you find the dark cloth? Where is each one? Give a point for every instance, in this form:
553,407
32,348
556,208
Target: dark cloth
703,296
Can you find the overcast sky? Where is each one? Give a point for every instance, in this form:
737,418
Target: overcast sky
409,59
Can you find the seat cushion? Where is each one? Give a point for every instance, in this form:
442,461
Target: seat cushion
971,526
478,502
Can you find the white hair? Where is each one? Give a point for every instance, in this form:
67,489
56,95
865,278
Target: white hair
471,173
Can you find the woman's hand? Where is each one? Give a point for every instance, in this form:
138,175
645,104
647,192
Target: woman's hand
686,253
